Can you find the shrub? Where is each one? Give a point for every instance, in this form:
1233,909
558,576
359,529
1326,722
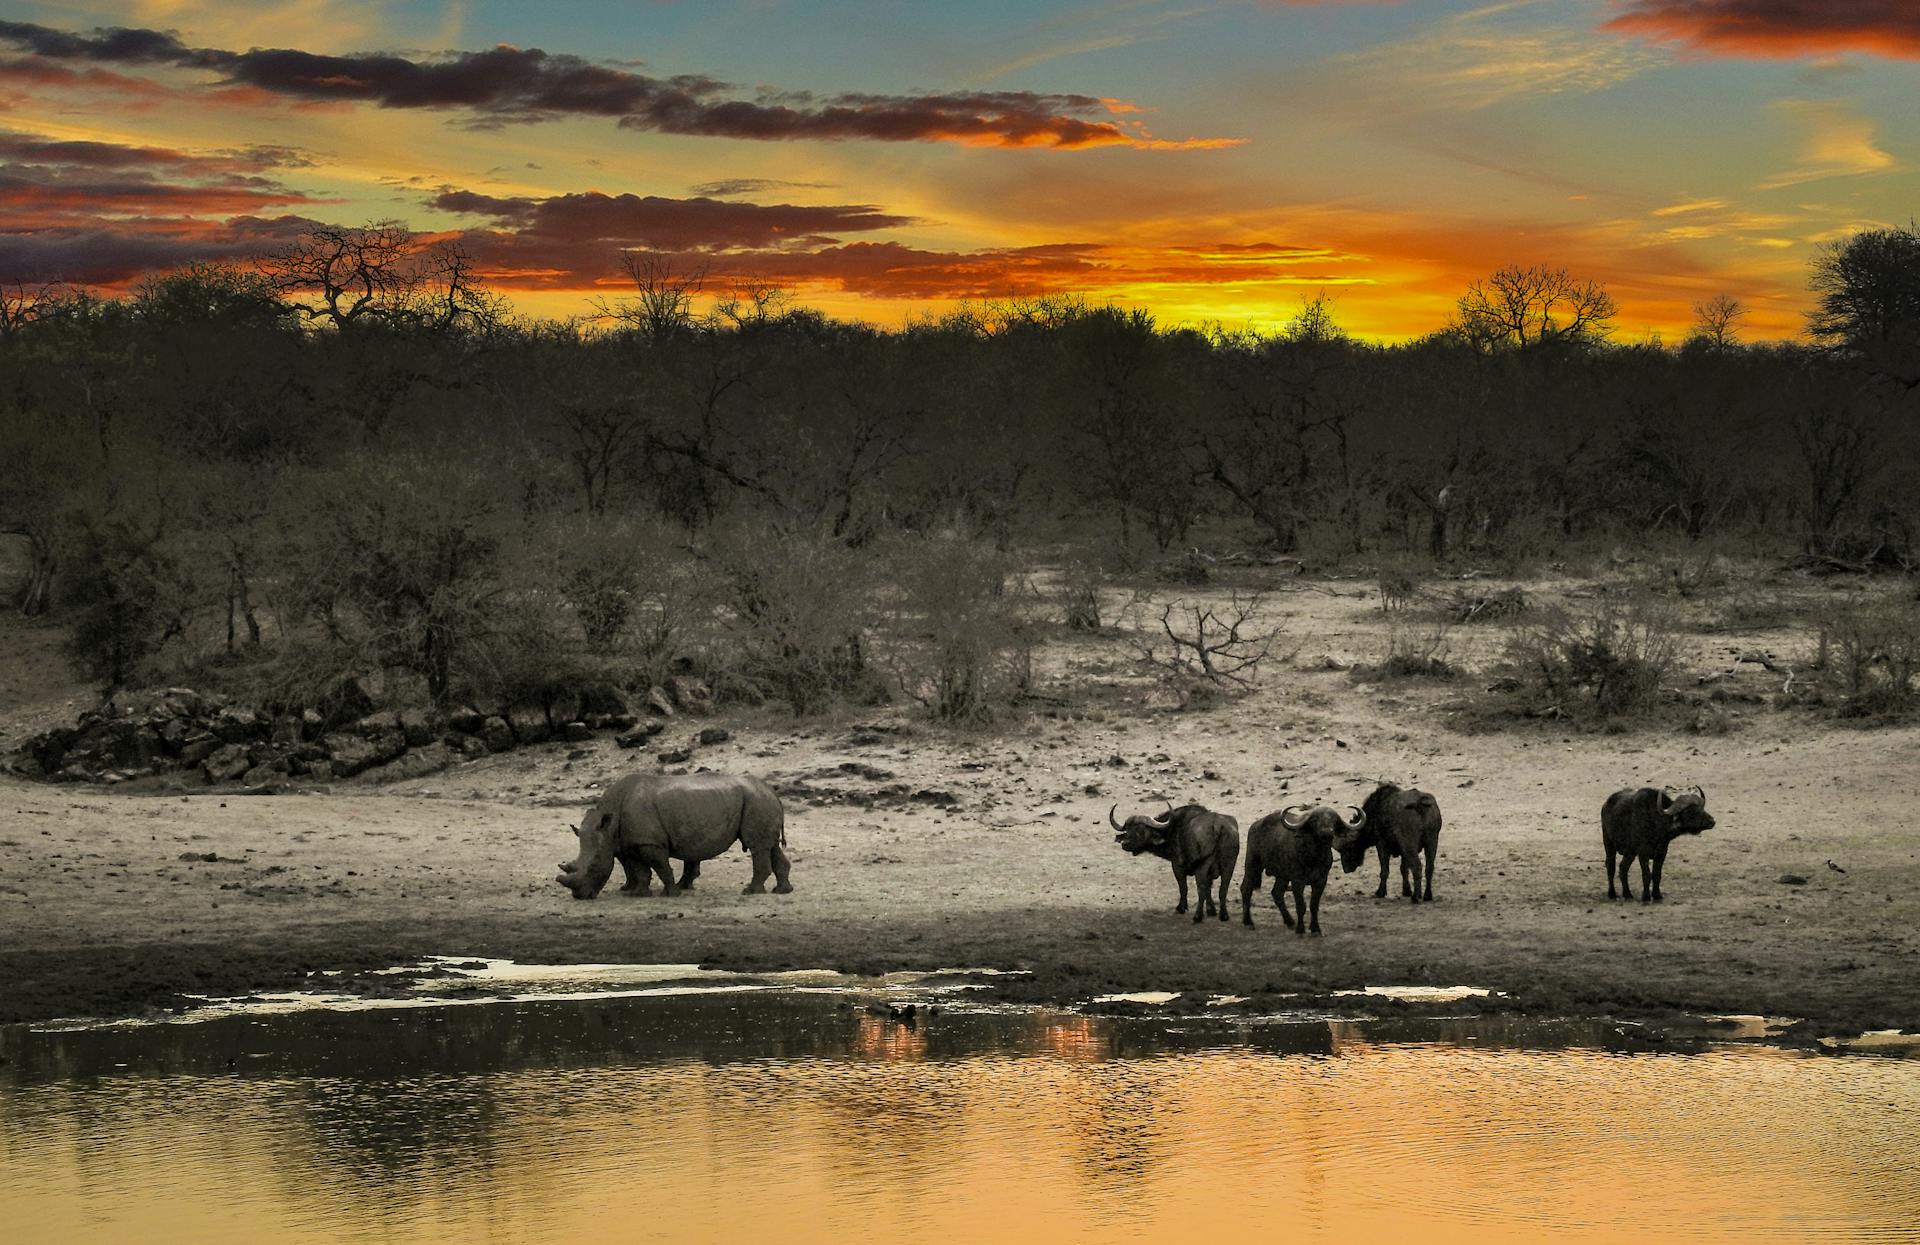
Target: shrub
958,640
1082,596
795,609
1870,653
1413,654
132,593
1610,657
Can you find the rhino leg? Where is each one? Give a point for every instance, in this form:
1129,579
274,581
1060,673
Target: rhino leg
762,870
656,859
639,878
782,868
688,873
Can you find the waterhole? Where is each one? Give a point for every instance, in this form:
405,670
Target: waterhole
794,1116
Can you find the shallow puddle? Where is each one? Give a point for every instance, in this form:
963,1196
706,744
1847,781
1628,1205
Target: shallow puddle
800,1116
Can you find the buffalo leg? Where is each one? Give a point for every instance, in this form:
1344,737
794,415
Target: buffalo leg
1180,879
1433,849
1204,880
762,870
1300,908
1612,868
1226,878
688,873
1659,863
1410,876
1380,891
1646,879
1317,888
639,877
1249,883
782,867
1626,863
655,858
1280,902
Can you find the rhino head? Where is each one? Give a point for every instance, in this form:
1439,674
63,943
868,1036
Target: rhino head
586,873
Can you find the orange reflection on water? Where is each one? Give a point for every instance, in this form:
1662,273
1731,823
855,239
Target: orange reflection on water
996,1129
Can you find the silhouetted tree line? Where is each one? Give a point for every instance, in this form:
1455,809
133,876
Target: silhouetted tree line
356,442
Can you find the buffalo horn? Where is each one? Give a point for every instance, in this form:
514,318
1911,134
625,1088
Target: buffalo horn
1358,819
1110,818
1293,816
1167,816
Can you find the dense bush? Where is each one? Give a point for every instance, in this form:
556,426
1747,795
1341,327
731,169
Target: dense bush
1608,657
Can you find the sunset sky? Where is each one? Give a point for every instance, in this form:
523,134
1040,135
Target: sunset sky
1211,161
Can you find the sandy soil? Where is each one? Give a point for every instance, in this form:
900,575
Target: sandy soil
113,902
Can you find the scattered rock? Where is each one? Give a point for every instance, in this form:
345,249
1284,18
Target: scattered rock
676,756
1791,879
417,763
715,735
690,694
576,732
227,763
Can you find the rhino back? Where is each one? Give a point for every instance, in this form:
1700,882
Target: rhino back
695,816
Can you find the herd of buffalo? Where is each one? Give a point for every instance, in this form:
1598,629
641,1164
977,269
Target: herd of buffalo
647,821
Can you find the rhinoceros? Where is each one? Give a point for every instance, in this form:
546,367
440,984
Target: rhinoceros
647,821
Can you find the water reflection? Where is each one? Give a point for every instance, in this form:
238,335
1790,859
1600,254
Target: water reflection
715,1117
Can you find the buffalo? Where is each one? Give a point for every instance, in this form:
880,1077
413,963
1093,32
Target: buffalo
647,821
1403,822
1640,825
1199,844
1295,846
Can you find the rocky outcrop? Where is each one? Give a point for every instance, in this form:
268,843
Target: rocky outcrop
177,730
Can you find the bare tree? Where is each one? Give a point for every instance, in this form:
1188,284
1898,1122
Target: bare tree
1519,307
1714,322
662,305
341,276
1221,644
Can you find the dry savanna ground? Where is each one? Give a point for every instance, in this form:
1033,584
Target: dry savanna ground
917,847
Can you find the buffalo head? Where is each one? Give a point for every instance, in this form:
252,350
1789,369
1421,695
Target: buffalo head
1141,834
1325,823
586,873
1685,809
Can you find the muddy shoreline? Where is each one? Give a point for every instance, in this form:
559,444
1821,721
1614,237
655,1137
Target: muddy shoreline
149,980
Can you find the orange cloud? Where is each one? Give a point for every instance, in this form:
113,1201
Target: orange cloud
1776,29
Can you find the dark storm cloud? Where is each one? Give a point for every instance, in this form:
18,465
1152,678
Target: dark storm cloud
1776,28
507,84
655,222
112,253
